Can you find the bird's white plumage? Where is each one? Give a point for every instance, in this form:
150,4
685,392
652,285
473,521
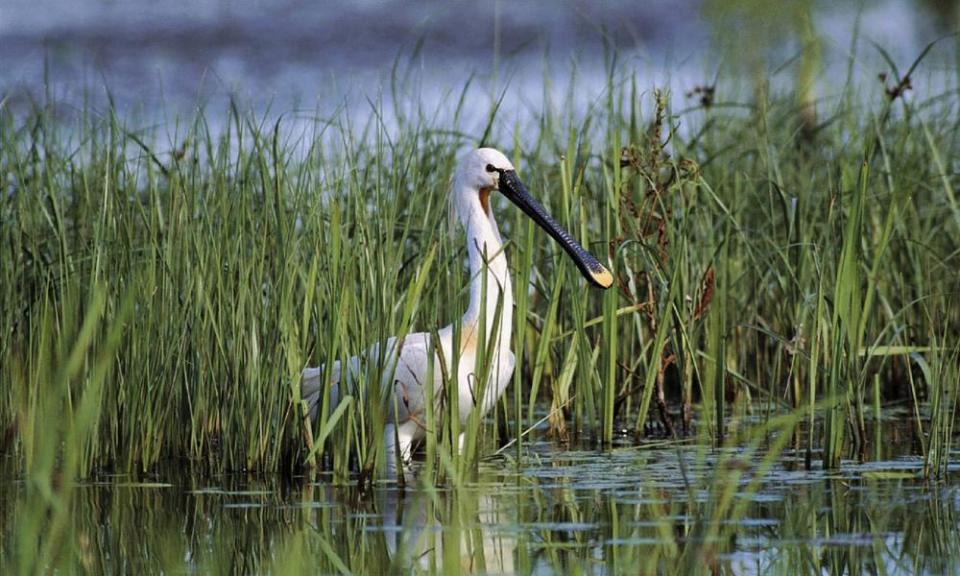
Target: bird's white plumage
405,374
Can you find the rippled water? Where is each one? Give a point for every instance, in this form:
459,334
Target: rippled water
559,511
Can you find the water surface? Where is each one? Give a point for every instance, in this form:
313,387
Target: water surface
560,511
162,60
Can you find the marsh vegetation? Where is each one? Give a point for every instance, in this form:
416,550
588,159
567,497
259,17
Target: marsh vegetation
771,384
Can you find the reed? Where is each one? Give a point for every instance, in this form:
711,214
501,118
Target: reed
760,267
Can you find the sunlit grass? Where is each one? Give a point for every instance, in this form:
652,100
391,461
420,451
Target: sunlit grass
161,294
750,261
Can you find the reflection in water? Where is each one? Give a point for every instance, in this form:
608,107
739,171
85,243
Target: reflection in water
621,511
435,531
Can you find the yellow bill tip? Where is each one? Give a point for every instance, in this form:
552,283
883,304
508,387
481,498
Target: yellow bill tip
603,278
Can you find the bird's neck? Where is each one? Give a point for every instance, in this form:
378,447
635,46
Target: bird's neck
491,295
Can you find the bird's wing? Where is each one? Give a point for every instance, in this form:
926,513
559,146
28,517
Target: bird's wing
402,378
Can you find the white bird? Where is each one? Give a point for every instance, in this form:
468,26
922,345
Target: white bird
479,173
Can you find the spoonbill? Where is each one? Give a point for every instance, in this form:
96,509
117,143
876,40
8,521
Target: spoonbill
408,359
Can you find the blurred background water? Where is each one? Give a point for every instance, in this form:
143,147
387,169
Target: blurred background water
166,58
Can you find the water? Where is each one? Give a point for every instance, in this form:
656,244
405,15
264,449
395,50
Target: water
160,60
561,511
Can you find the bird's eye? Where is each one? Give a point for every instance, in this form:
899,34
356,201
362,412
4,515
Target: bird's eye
490,168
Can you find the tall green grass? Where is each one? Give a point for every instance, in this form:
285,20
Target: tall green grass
757,260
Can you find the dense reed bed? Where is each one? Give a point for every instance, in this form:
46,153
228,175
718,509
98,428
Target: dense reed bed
783,276
163,288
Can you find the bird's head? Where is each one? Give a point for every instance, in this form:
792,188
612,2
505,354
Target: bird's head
481,171
485,169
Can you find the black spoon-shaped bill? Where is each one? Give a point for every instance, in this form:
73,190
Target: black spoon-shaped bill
595,272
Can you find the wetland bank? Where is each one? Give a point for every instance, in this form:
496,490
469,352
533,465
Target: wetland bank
770,387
